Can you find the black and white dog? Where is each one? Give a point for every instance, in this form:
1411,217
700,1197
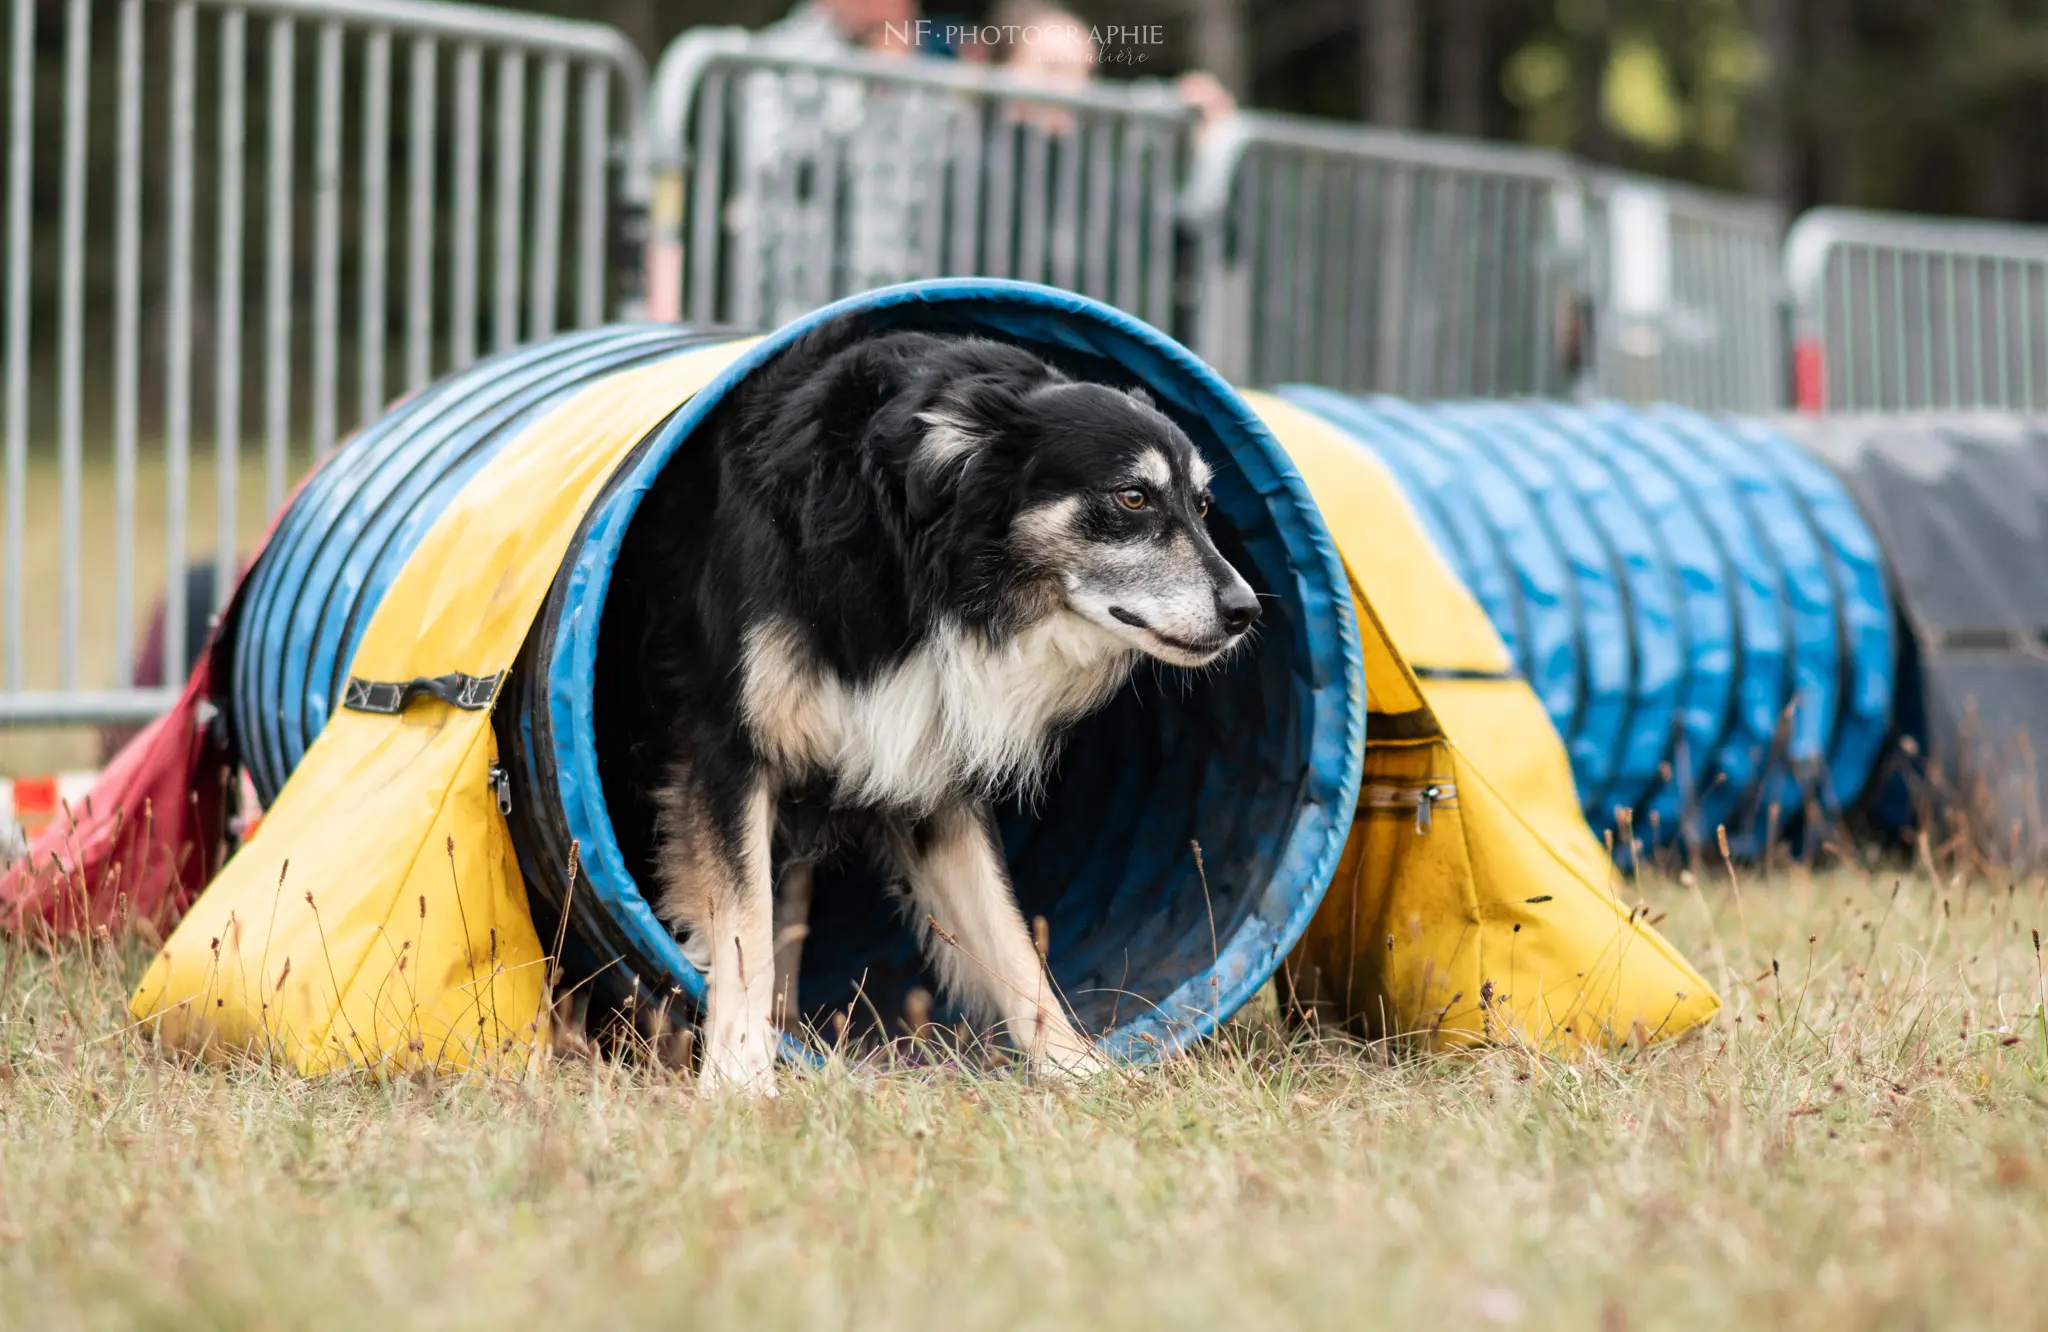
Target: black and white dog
907,563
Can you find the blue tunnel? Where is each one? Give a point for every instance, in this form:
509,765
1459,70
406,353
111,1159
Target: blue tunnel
1697,602
1176,856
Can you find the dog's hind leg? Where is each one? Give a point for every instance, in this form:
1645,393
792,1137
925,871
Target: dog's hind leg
968,919
718,888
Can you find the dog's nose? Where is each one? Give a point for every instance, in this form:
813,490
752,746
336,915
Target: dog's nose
1238,607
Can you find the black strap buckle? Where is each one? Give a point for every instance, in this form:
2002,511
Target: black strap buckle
388,698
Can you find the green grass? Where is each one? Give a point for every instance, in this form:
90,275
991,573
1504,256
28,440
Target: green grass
1858,1142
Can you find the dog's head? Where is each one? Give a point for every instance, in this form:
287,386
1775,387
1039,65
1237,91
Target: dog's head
1106,512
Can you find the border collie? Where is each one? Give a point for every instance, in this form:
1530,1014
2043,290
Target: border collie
905,564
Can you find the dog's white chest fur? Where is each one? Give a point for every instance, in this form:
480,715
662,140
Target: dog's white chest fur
955,715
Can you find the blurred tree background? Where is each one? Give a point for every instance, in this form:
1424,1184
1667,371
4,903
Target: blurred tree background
1936,106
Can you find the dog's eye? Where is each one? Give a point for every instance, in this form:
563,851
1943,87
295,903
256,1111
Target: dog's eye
1202,507
1131,498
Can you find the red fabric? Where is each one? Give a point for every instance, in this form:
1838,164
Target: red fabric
145,840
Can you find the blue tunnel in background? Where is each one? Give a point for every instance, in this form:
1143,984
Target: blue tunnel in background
1697,602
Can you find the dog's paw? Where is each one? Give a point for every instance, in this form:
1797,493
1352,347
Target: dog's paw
717,1080
743,1067
1073,1060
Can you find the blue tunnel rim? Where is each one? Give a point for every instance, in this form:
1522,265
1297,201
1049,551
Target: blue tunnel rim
1334,671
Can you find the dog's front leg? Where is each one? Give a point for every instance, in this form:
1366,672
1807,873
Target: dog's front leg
792,927
719,889
977,939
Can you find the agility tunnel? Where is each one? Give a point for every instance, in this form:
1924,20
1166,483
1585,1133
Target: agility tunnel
420,675
1253,768
1698,603
1959,502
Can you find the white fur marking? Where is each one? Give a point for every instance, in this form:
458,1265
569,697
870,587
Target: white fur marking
1154,469
947,439
739,999
1199,470
957,714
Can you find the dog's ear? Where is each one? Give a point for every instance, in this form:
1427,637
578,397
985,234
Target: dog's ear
949,437
944,450
967,421
1136,393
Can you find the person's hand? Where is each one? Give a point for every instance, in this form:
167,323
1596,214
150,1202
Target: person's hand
1206,93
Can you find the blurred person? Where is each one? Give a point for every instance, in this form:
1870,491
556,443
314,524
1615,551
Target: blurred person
1055,48
824,27
828,172
1045,47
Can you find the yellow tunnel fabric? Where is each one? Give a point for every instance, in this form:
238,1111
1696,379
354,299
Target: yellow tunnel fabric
377,917
1472,901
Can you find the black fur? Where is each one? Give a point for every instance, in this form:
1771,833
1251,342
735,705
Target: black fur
800,496
819,496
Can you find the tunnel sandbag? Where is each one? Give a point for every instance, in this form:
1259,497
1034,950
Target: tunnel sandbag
1256,764
1959,503
1473,901
1696,602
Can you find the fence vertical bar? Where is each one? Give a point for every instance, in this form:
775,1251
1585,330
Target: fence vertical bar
1975,269
965,186
1029,193
277,256
1129,268
327,240
508,166
227,347
20,181
178,334
1095,266
1066,209
2031,400
371,295
419,225
127,332
469,91
591,194
552,129
706,198
1359,347
998,208
71,332
1165,164
1998,326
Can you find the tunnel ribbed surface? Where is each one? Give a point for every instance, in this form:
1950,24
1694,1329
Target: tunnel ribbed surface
1697,602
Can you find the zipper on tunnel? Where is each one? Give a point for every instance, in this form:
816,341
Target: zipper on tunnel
1422,797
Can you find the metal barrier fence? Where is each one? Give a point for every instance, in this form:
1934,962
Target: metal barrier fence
1372,260
345,306
1900,313
1686,288
785,181
282,211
